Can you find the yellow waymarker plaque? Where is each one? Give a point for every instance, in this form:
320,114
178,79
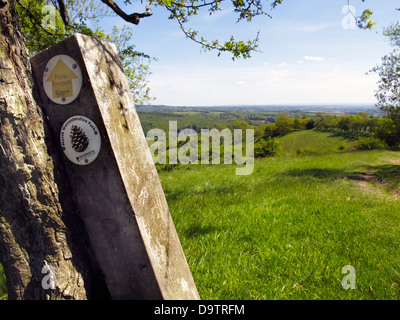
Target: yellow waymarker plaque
62,79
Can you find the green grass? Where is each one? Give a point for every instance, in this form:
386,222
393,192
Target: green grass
3,289
314,142
287,230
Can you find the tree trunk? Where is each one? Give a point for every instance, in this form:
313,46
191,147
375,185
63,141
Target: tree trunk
39,223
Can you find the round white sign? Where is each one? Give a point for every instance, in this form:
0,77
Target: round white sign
62,79
80,140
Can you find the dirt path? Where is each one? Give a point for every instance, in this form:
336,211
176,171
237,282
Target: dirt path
368,181
364,180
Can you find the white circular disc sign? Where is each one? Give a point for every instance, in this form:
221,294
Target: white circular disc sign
62,79
80,140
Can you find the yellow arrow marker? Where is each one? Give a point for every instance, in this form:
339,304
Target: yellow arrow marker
61,77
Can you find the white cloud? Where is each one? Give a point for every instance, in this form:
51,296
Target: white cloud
291,26
283,64
311,58
314,28
241,83
273,74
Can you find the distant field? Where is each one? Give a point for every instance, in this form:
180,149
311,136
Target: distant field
314,142
287,230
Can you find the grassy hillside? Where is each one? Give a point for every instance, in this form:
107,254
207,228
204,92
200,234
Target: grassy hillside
314,142
287,230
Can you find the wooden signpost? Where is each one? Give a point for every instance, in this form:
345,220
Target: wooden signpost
86,97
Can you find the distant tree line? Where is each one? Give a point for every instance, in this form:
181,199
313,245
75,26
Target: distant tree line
371,132
362,125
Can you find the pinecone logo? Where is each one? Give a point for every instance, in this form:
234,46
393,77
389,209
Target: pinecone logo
79,140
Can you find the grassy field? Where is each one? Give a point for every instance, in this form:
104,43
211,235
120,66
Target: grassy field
287,230
3,290
314,142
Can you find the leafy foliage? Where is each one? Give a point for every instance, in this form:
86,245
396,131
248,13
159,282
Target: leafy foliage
77,15
369,143
387,131
267,148
364,21
388,93
40,32
183,10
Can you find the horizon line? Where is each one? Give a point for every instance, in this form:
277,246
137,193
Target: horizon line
366,104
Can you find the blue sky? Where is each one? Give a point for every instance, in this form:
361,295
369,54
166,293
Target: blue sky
306,56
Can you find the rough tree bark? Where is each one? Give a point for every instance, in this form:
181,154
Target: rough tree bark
37,213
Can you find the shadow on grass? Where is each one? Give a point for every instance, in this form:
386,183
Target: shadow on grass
196,229
213,189
388,175
352,136
319,174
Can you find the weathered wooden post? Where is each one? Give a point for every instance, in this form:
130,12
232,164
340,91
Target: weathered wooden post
86,97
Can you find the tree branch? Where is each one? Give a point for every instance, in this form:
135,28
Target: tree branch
193,6
131,18
237,48
63,12
34,20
